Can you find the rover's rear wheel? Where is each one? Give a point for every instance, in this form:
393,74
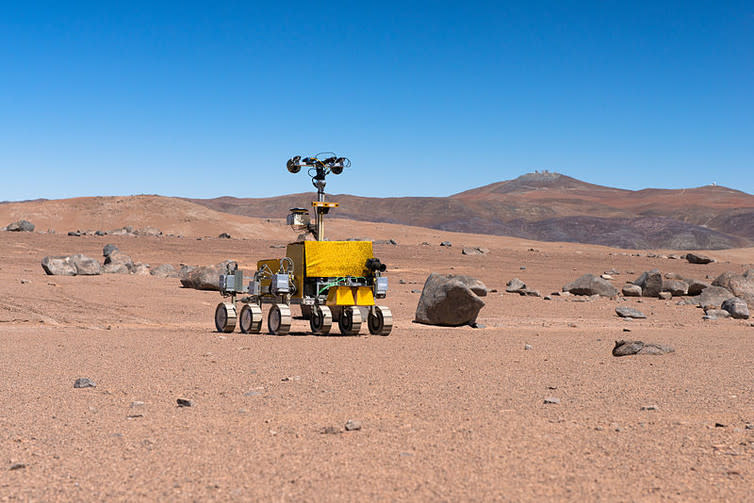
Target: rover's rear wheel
250,319
320,320
279,319
350,320
380,321
225,317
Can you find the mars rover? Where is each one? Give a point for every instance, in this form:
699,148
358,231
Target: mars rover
330,280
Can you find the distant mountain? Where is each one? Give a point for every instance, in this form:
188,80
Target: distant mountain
549,206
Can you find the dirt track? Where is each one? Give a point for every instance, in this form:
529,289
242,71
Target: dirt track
446,414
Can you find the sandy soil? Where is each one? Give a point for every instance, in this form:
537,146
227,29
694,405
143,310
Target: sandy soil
447,414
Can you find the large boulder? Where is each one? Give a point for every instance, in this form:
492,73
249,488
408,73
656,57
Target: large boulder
58,266
206,277
448,300
737,308
85,266
20,226
589,284
117,257
740,285
650,283
476,285
714,297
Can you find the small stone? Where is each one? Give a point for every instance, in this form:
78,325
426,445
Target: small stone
527,347
665,295
25,281
137,404
277,246
649,407
252,393
224,235
183,402
330,430
626,329
694,258
17,466
402,281
629,312
552,400
750,426
719,425
606,276
446,243
523,268
84,382
515,285
109,249
352,425
546,297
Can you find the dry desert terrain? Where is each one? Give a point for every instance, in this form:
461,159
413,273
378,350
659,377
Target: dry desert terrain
446,414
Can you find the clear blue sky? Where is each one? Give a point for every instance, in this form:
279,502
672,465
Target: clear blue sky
426,98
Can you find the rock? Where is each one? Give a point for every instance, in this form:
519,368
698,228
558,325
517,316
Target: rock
58,266
148,231
649,407
737,308
224,235
665,295
515,285
589,284
527,347
206,277
164,271
20,226
84,382
118,257
183,402
74,233
551,400
476,285
278,246
716,314
474,251
631,290
530,293
17,466
447,301
714,296
141,269
108,249
123,231
650,283
676,287
629,312
741,285
115,269
694,258
386,242
696,287
627,348
352,425
85,266
606,276
446,243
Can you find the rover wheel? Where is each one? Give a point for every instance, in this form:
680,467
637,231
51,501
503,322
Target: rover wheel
250,319
225,317
380,321
321,320
350,320
279,319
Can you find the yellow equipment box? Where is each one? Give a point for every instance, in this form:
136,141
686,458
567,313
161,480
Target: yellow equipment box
335,259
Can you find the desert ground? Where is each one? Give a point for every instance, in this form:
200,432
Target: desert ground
447,414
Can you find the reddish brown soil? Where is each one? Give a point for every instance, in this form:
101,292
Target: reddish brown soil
447,414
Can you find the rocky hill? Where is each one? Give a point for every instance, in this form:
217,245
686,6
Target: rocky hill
551,207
